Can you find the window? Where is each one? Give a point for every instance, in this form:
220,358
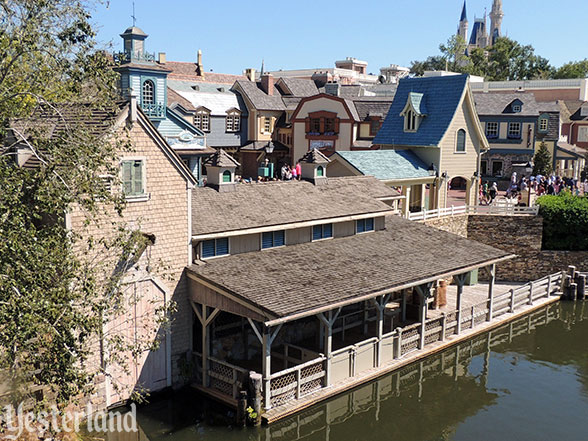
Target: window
148,93
583,134
267,124
324,231
514,130
461,141
410,121
375,125
315,125
363,225
273,239
516,108
496,168
320,171
227,176
214,248
132,178
202,120
491,130
233,122
543,124
329,126
483,167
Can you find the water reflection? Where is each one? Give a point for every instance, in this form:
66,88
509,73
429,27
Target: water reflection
526,380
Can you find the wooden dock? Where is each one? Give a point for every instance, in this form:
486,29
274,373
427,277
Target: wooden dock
292,407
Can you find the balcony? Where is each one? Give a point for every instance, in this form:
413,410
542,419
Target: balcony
154,111
129,56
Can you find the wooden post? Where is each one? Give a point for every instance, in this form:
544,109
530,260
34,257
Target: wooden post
473,317
398,343
380,305
241,416
460,279
492,273
549,286
255,392
573,291
424,292
328,345
443,325
205,319
404,295
581,292
268,338
531,286
512,301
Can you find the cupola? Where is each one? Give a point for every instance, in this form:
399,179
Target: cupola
313,167
134,44
220,171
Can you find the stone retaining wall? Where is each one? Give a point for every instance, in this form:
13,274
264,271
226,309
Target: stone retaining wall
520,235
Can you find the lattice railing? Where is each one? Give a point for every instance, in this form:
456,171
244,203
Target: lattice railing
434,330
297,382
410,339
225,377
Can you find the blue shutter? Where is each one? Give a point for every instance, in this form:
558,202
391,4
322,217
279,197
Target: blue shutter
279,238
222,246
207,248
266,240
369,224
317,232
360,225
327,230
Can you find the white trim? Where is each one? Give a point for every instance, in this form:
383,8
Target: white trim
261,248
312,239
215,256
290,226
189,203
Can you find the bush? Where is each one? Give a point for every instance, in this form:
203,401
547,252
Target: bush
565,222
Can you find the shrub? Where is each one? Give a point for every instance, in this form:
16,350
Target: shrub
565,222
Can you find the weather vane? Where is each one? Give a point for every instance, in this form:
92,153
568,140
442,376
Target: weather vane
133,16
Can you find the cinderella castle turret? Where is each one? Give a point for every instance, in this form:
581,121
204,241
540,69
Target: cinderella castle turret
480,38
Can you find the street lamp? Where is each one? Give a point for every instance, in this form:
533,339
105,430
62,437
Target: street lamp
269,148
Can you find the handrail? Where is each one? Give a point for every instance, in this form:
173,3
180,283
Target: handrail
298,367
508,210
229,365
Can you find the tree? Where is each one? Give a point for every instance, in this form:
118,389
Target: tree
431,63
573,69
55,296
542,164
454,53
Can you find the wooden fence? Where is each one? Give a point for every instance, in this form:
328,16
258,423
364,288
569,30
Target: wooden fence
502,210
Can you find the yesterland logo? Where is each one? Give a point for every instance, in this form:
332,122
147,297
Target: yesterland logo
15,422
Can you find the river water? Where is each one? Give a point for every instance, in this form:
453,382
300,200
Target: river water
525,381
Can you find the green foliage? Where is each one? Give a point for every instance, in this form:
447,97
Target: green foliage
542,162
565,222
573,69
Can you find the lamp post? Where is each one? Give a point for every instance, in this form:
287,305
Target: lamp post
269,149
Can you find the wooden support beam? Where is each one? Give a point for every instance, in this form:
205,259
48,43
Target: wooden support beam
460,280
380,304
492,273
328,322
424,292
268,338
255,330
205,318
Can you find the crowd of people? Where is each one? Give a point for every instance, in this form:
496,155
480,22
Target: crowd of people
540,185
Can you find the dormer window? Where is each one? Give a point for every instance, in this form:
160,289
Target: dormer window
202,119
148,96
233,121
516,108
413,111
543,124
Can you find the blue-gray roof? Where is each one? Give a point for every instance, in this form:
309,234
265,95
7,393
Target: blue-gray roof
387,165
441,98
417,102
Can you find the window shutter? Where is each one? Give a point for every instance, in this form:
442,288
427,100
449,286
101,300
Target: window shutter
137,177
267,240
336,125
222,246
127,176
307,124
272,121
207,248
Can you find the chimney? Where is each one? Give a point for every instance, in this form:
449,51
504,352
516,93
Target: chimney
250,74
161,58
199,67
267,83
133,107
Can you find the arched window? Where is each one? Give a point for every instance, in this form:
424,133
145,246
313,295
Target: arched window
226,176
320,171
148,92
461,141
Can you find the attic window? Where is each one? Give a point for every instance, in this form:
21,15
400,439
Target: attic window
202,120
410,121
516,108
543,125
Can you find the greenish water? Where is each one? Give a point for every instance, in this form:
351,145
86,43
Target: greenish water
524,381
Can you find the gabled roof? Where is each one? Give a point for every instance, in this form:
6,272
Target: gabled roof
221,159
441,98
367,108
217,102
188,71
313,156
385,165
258,98
488,104
298,87
347,103
572,110
273,204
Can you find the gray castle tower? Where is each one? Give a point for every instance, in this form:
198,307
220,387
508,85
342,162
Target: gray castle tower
462,29
496,16
480,37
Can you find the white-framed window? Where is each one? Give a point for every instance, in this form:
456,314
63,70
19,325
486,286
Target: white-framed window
364,225
148,92
410,121
267,124
273,239
491,130
202,120
324,231
214,248
583,134
133,177
516,108
233,121
514,130
460,146
543,124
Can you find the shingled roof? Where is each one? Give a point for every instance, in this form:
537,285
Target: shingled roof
313,156
386,165
259,99
299,87
321,274
441,98
365,109
285,202
499,104
221,159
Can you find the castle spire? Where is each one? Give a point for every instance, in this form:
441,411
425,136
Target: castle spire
464,14
496,16
462,29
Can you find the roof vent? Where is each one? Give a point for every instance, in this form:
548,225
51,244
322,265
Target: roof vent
197,88
221,89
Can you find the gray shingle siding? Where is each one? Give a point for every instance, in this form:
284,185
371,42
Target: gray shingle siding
219,137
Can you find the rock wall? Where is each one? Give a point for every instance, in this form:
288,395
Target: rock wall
456,224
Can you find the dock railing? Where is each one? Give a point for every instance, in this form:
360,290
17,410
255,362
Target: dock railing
502,210
347,362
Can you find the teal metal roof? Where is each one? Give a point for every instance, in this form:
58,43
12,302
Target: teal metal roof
416,99
387,165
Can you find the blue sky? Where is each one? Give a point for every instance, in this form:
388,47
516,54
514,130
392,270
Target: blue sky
234,35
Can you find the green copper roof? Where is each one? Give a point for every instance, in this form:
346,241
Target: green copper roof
416,99
387,165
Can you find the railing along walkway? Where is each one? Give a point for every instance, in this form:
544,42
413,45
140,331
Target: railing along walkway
502,210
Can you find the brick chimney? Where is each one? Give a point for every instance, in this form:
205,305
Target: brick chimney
267,83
